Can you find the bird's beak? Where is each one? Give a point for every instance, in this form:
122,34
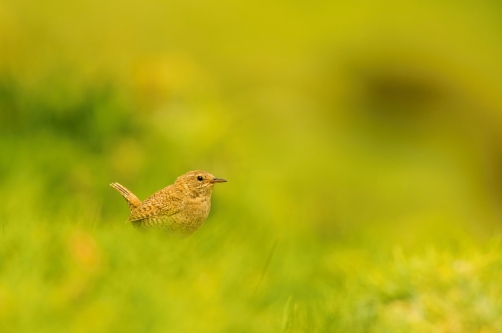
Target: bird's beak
218,180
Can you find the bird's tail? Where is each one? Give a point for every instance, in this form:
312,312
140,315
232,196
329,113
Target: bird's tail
132,200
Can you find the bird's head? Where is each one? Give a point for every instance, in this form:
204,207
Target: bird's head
198,182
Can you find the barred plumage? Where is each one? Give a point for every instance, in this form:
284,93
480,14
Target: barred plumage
181,207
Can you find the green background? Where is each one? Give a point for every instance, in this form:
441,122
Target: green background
361,142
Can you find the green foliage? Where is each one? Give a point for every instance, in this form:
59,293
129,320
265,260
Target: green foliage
76,276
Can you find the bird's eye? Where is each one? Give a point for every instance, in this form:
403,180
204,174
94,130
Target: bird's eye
199,178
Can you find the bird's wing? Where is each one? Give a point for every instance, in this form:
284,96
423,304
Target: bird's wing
165,202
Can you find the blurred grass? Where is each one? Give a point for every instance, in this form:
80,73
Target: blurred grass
80,278
361,143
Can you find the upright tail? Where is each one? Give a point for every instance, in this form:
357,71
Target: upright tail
132,200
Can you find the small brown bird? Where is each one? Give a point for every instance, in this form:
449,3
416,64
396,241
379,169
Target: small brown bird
181,207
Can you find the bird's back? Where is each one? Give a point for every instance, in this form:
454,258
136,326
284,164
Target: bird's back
161,204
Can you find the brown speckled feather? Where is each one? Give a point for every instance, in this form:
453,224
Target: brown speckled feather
181,207
165,202
132,201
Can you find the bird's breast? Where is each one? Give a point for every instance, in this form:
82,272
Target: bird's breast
198,207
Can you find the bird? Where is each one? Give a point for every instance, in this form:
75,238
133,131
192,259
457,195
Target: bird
180,208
